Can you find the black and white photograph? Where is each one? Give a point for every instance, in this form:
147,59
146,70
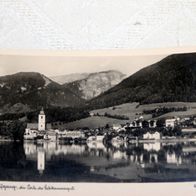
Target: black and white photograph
102,119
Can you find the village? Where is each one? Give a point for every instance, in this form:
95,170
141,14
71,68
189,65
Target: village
139,130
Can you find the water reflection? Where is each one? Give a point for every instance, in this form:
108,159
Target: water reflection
142,162
40,160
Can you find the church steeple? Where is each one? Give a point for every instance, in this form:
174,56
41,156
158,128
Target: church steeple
42,111
42,121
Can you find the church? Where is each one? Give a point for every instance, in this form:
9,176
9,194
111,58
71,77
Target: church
35,129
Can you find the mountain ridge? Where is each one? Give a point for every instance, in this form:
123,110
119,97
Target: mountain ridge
34,90
171,79
95,83
67,78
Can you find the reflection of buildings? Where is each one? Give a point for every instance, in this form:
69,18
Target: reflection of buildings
153,158
52,148
152,136
155,146
43,152
132,162
119,155
96,145
174,159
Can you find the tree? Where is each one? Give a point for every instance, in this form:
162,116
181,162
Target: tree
145,124
17,129
160,123
107,126
177,131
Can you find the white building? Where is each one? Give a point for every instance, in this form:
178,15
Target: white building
152,123
30,134
171,122
71,134
136,123
117,127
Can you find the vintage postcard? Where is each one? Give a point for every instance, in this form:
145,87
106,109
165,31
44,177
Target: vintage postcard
122,122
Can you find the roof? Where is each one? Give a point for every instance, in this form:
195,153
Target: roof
35,126
32,125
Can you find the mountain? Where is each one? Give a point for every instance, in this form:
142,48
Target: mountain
69,78
25,90
171,79
95,83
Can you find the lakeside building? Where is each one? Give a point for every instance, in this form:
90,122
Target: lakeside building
71,134
43,130
117,127
172,158
136,123
34,129
171,122
152,123
41,125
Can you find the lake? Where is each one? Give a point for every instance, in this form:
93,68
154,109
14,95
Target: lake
96,162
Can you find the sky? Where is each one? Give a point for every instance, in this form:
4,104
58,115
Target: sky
55,65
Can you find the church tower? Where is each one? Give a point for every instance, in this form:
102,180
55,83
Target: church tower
42,121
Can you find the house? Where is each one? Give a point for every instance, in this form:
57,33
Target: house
136,124
35,126
92,114
152,123
30,134
171,122
116,127
152,136
51,135
71,134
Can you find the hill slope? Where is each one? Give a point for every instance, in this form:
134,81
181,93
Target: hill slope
171,79
34,90
95,84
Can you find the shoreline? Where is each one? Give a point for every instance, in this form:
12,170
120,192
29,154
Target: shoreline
131,141
164,140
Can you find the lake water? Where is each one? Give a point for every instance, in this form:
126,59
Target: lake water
96,162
